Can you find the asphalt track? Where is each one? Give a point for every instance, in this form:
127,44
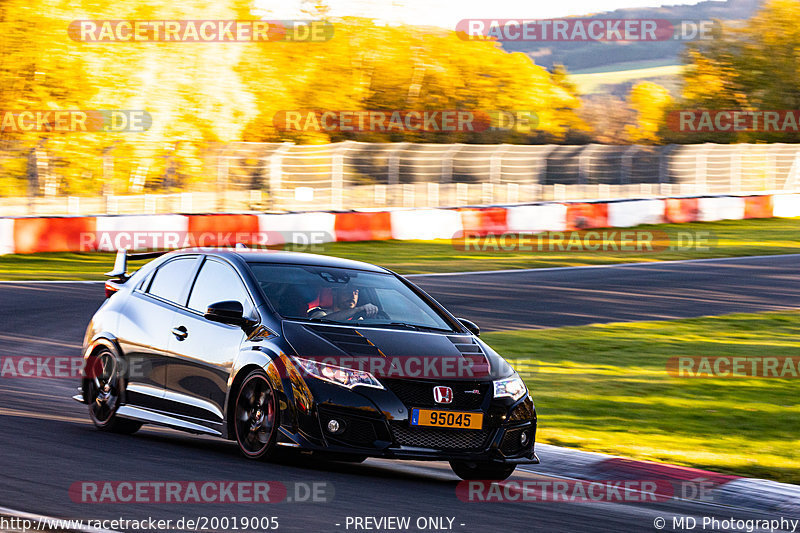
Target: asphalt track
47,442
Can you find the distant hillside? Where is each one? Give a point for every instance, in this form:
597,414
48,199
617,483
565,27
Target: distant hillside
580,56
619,82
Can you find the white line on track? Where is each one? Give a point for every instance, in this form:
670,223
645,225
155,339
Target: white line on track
610,265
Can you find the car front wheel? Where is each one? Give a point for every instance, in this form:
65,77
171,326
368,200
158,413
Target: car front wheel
255,416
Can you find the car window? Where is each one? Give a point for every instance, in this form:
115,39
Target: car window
218,282
342,295
171,278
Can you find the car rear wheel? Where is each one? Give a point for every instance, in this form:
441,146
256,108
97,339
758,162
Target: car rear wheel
104,389
488,471
255,416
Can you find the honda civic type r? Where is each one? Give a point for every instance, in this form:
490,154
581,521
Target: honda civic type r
278,349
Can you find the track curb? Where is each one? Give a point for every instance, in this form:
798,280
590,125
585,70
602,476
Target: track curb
689,484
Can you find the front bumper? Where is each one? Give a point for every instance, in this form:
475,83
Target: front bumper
375,423
490,452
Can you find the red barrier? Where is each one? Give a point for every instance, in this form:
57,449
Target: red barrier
363,226
680,210
486,221
758,206
223,230
584,216
33,235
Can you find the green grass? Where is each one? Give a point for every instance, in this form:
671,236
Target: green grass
733,238
626,66
593,82
605,388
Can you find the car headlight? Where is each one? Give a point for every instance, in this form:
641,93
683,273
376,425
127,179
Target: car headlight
339,375
512,387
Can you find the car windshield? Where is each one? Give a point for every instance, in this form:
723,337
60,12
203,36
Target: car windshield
344,296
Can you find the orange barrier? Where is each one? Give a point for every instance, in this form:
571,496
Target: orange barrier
58,234
758,206
363,226
484,221
680,210
584,216
223,230
33,235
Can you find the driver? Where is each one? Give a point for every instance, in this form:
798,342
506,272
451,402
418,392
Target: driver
345,306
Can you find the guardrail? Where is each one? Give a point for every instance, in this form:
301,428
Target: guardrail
287,177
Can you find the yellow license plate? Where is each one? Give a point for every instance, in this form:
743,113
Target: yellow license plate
446,419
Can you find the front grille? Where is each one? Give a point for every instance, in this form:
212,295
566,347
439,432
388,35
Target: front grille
415,393
440,439
359,432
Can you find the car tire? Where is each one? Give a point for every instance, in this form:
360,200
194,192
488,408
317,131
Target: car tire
255,416
486,471
104,389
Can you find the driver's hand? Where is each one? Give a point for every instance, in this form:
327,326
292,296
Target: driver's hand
370,310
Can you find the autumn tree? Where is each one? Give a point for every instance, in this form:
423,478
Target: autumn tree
753,66
650,101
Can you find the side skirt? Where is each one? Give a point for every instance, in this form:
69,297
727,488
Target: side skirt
144,415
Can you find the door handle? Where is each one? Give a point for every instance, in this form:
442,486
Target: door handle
180,332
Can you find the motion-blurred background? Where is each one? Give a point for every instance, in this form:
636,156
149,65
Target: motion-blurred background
601,108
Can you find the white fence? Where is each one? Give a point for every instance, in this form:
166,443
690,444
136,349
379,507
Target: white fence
352,175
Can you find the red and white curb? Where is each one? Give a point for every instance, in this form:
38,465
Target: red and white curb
689,484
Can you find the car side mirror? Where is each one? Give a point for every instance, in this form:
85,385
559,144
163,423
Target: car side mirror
227,312
471,326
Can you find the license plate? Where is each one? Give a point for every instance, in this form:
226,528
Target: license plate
446,419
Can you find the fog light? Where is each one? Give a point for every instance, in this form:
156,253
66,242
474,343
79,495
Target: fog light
334,426
523,439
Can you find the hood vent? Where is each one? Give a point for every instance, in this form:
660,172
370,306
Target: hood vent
348,340
465,344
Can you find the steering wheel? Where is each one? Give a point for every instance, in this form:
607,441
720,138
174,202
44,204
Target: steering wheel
361,315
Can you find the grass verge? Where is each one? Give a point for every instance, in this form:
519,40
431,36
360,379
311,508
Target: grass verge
605,388
730,239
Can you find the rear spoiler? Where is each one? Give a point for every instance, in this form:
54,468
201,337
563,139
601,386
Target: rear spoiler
120,270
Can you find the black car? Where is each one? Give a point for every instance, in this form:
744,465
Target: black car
280,349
